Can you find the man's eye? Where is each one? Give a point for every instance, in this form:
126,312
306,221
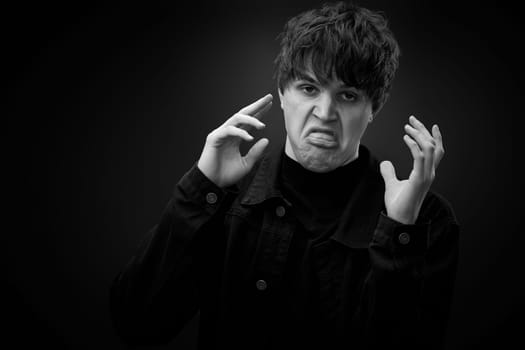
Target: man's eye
349,96
309,89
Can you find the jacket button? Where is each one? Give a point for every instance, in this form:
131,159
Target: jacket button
261,285
280,211
211,198
404,238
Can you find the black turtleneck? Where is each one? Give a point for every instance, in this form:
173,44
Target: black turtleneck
318,200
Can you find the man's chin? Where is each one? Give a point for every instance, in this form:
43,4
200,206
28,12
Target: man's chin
319,160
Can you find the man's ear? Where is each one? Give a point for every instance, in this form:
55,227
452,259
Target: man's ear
280,97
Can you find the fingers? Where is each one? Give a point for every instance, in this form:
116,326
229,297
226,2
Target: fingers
257,106
416,124
417,155
388,172
440,150
244,121
238,124
219,135
422,142
263,110
435,138
418,132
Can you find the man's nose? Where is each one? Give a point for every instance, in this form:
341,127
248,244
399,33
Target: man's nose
325,107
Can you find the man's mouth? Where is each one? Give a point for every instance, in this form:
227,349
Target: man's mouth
322,138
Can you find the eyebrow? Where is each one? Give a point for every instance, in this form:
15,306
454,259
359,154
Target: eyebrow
312,80
308,78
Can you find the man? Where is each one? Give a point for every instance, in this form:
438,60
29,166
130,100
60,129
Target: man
317,245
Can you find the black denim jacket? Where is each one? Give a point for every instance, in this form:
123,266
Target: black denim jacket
224,252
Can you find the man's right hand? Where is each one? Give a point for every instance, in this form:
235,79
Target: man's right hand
221,159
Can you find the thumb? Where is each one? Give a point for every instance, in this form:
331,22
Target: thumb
388,172
255,152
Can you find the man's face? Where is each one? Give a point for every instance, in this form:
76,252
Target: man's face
324,123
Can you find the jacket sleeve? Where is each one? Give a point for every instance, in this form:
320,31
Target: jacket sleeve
408,291
157,292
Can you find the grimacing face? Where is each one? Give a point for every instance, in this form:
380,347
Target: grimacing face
324,123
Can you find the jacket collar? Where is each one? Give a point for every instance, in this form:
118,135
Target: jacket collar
361,213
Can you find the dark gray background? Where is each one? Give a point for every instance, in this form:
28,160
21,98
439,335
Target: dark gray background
109,105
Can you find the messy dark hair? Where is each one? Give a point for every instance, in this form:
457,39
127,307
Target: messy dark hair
340,40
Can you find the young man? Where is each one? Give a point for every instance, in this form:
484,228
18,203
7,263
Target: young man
317,245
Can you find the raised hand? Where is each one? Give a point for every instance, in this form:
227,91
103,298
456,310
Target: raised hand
221,160
403,198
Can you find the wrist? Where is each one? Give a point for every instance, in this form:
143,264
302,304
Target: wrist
208,172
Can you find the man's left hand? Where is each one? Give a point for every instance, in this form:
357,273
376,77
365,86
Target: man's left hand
403,198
